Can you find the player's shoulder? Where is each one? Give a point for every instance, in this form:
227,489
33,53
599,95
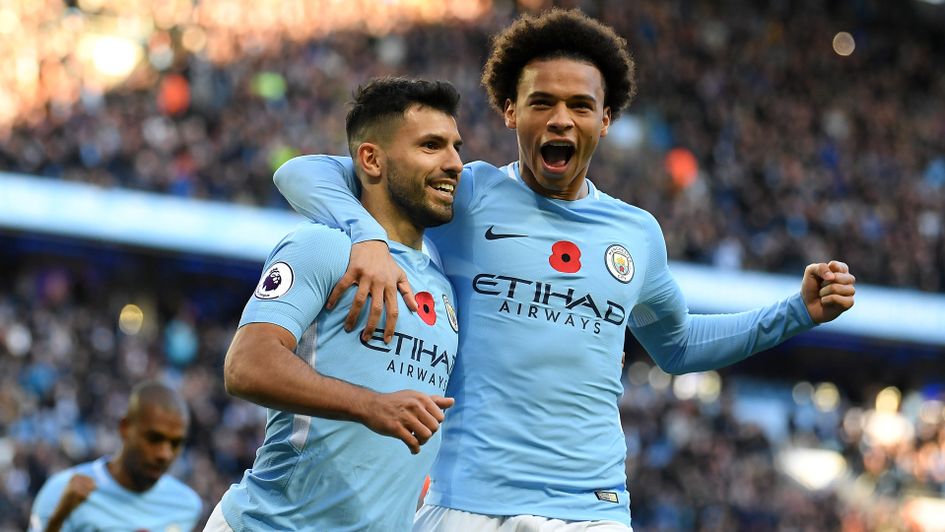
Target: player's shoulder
85,468
314,233
181,492
311,251
483,171
56,483
624,209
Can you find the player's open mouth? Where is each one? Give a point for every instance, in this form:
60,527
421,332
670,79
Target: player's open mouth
556,154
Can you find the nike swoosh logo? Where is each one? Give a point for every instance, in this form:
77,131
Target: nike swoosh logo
498,236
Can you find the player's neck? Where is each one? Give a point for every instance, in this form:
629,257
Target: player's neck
400,229
119,471
391,216
575,190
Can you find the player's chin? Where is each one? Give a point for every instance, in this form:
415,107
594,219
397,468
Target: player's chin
437,215
555,182
155,472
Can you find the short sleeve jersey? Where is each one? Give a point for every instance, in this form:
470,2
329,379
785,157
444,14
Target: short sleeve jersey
320,474
168,506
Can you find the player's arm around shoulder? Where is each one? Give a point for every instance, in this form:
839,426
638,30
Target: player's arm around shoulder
379,279
309,181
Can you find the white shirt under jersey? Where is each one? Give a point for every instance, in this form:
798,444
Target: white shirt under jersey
320,474
546,291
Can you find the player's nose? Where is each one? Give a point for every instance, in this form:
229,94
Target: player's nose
453,164
560,118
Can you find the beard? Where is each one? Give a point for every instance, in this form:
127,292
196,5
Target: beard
410,197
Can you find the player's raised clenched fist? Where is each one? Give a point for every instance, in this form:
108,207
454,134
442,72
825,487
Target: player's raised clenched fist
827,290
77,490
411,416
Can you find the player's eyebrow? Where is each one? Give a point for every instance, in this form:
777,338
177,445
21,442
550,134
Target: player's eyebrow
441,139
538,95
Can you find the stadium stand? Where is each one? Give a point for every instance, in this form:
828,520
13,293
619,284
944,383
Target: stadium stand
756,144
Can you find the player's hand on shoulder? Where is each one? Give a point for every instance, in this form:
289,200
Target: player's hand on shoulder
408,415
77,490
828,289
375,273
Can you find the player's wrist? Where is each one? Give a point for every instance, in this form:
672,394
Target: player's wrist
363,405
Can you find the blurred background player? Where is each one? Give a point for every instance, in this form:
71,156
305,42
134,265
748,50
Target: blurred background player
130,490
321,467
550,273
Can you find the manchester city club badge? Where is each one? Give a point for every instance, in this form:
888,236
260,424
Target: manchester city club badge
619,263
450,313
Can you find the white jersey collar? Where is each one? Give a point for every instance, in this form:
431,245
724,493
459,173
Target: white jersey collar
512,171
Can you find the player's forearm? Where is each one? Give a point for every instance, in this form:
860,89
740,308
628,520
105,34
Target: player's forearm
683,343
324,189
267,373
58,517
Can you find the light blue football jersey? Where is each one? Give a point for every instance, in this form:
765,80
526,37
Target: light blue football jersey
169,506
320,474
546,290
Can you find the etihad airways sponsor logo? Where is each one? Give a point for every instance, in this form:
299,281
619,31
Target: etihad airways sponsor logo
541,300
414,358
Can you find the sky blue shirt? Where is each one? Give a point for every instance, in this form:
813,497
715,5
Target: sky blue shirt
169,506
321,474
546,290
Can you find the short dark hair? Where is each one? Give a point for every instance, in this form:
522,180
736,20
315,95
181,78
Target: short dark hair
156,394
380,100
553,34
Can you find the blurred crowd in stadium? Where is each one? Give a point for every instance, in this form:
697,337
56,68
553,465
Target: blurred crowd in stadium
694,460
752,141
754,144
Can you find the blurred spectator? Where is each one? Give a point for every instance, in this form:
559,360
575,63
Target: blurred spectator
783,152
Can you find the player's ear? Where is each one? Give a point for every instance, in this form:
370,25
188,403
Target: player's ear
124,427
371,160
509,114
606,122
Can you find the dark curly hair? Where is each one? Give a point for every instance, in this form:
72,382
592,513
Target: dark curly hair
559,33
